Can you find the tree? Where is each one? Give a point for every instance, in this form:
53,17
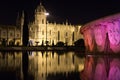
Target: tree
25,30
27,6
79,42
60,44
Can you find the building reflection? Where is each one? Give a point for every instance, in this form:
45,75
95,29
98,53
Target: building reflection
101,67
54,66
43,64
40,64
11,62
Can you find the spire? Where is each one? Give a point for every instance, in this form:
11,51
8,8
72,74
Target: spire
66,22
40,4
22,14
20,18
40,8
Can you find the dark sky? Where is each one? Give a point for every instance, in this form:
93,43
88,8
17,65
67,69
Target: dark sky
75,11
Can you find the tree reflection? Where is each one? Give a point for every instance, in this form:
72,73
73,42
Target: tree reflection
25,65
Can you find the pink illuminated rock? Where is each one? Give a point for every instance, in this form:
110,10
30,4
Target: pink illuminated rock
100,71
101,68
114,73
88,73
96,33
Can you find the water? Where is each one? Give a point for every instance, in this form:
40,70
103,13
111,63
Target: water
101,67
58,66
40,65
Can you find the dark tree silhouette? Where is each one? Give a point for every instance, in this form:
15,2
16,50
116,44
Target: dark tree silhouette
28,6
25,30
79,42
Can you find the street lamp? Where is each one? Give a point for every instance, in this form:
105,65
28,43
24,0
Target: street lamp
46,28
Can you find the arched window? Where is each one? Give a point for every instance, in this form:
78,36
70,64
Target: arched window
42,21
66,34
58,35
73,36
42,32
50,32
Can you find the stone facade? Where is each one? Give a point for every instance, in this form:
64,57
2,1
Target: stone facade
10,34
40,31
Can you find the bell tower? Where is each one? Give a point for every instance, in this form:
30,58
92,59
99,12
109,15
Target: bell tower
40,17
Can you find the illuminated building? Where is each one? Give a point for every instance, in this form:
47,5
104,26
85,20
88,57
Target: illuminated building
41,31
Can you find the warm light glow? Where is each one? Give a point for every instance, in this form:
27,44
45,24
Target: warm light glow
46,14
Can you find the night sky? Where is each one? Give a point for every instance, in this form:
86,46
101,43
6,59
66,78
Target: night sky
74,11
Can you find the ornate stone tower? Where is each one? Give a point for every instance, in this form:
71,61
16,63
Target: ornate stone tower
40,17
38,29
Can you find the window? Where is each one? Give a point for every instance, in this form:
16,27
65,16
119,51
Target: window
50,32
31,29
11,34
4,33
42,21
50,40
58,35
66,34
18,35
73,37
42,32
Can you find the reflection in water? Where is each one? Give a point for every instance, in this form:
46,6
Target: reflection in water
25,65
53,66
49,65
103,67
40,66
10,66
